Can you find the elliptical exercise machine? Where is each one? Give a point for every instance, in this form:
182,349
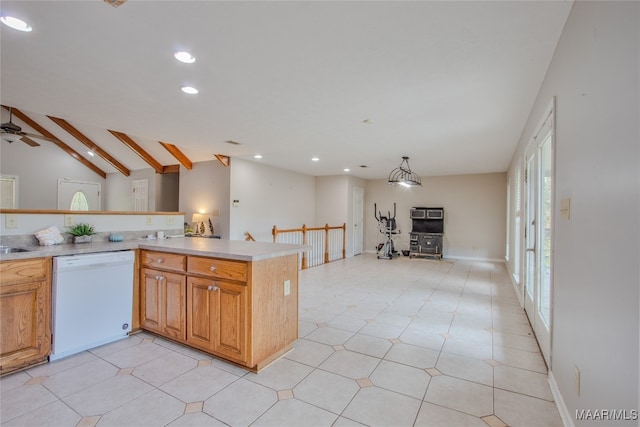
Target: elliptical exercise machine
387,227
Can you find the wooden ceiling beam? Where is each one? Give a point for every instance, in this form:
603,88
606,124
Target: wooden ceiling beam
225,160
171,169
179,155
51,137
91,145
126,140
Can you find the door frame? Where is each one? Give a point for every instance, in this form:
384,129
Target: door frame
358,220
533,239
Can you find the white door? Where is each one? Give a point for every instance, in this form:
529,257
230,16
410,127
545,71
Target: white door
78,195
358,218
140,193
539,188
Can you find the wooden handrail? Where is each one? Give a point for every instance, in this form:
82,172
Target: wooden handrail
304,229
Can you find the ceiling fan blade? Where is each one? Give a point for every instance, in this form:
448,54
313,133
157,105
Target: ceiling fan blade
33,135
29,141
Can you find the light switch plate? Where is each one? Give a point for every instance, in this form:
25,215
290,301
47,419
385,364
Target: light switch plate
287,287
68,220
11,221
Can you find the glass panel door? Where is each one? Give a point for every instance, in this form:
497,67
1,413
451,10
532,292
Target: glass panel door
538,234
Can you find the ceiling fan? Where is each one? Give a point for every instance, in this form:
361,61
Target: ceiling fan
14,132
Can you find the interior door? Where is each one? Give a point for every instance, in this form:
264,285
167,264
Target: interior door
358,219
78,195
539,188
140,191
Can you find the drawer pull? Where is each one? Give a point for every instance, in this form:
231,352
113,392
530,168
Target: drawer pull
160,260
212,288
212,268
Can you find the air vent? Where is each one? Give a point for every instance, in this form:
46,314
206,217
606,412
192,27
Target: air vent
233,142
364,166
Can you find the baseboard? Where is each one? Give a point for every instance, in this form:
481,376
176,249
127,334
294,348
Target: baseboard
479,259
567,419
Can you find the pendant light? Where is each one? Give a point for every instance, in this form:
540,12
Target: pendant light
403,176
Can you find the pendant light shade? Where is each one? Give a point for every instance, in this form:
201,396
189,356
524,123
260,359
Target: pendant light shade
403,176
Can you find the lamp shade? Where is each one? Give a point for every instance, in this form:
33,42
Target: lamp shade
197,217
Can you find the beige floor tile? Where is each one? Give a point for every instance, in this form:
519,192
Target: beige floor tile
522,381
54,414
431,415
82,376
230,405
347,323
309,352
198,384
329,336
151,409
107,395
197,419
281,375
137,355
366,344
418,357
24,399
164,369
350,364
326,390
378,407
460,395
519,410
520,359
466,368
401,379
294,412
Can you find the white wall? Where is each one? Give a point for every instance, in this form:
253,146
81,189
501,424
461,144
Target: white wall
266,197
38,170
594,75
334,203
474,205
205,188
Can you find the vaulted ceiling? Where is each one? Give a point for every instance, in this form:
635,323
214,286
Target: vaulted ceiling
447,83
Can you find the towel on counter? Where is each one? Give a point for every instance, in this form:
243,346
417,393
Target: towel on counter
49,236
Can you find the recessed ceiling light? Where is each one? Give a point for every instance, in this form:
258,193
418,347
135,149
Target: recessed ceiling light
15,23
190,90
185,57
346,170
257,156
315,159
90,153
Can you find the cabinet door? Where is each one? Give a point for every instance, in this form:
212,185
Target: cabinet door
202,303
231,321
217,321
150,300
25,335
174,296
163,303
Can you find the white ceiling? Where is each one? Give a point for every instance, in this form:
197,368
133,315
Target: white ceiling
449,84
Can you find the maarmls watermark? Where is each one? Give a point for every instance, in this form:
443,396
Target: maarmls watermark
606,414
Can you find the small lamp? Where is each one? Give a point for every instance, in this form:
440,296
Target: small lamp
197,218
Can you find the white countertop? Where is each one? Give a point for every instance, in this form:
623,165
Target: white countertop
217,248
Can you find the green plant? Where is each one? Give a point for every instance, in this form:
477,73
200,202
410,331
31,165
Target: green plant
82,229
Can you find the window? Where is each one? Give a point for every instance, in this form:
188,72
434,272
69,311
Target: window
8,190
79,202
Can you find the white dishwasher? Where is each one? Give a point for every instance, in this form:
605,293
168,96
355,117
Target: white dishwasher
92,300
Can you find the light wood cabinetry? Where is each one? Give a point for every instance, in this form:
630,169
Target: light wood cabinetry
233,309
25,313
163,302
217,317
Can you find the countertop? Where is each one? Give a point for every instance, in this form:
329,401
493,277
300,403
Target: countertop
217,248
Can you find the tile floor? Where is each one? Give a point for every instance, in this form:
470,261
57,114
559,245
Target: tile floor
403,342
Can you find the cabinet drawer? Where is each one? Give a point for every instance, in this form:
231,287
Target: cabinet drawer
163,260
221,269
19,271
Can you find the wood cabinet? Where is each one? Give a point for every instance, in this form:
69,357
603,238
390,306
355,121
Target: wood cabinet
237,310
25,313
163,303
217,317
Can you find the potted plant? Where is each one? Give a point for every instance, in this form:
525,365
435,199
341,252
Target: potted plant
82,232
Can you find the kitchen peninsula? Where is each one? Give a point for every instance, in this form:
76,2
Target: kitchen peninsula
233,299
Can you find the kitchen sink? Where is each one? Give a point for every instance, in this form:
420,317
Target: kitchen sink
10,250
